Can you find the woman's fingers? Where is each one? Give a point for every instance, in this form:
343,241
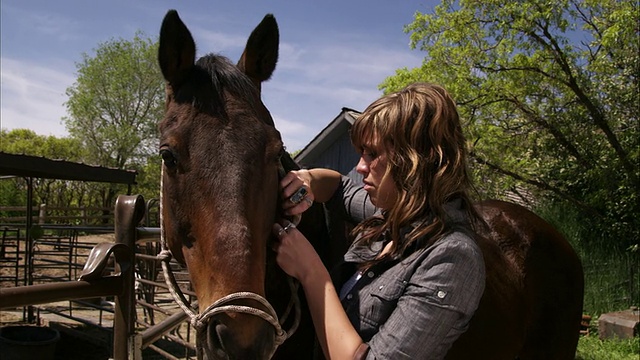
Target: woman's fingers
290,183
283,228
296,194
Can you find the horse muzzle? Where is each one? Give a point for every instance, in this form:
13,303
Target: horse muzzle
241,337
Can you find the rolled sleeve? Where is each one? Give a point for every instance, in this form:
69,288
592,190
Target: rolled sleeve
352,201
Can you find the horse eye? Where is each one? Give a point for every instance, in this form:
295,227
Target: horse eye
281,153
168,158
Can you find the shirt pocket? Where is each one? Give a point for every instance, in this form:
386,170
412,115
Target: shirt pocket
382,299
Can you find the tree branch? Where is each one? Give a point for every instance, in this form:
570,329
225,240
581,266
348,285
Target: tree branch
537,183
596,114
555,132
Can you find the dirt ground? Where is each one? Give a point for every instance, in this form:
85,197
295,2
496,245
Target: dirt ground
63,261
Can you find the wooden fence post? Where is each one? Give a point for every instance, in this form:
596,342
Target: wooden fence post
129,210
42,214
83,214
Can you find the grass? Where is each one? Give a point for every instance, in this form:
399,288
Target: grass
610,274
592,348
608,282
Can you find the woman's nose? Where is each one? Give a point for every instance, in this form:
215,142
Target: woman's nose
362,168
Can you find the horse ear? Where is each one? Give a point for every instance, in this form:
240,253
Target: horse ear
177,51
258,61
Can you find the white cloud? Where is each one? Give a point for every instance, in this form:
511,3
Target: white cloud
356,62
57,26
291,131
314,81
219,43
33,96
45,23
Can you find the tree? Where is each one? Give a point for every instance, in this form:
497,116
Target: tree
46,191
115,103
550,95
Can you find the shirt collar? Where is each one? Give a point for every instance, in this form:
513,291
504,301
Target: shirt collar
359,253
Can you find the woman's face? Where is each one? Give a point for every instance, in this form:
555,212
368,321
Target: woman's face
373,167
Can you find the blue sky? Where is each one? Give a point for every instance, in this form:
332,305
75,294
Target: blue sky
333,54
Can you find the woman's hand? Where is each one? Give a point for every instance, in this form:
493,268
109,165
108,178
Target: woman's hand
296,190
294,254
297,257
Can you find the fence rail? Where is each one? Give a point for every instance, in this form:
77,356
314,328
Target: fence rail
93,282
143,312
45,214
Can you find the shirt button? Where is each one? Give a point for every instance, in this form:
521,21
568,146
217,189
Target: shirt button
350,296
441,294
370,274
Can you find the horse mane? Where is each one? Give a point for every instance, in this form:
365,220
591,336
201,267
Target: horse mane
224,76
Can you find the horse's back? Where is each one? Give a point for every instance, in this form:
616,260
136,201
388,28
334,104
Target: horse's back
532,305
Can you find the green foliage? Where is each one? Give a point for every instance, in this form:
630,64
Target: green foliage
24,141
63,193
114,106
13,192
295,153
592,348
549,94
148,178
116,101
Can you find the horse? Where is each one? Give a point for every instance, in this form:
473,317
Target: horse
222,159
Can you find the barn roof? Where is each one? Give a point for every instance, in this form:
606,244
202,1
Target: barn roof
40,167
336,128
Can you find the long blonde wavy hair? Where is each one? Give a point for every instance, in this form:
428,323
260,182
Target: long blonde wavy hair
420,130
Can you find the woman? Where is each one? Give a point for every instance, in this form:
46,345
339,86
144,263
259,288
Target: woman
414,275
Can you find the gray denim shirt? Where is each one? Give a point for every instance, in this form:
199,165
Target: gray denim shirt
417,306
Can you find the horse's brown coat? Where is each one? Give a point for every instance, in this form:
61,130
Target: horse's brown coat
221,151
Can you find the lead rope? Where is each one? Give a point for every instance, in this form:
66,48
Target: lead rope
199,321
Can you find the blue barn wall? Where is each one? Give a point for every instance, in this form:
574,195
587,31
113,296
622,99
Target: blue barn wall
332,148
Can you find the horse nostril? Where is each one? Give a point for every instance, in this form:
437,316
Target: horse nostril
217,337
223,335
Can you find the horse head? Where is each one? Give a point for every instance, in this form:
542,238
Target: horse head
221,158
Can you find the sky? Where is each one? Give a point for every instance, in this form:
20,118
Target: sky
333,54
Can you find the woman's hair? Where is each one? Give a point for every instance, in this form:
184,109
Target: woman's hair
419,129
